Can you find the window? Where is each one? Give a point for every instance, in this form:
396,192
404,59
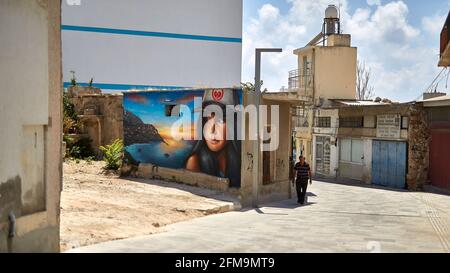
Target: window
305,65
351,122
370,121
352,150
405,122
324,122
298,111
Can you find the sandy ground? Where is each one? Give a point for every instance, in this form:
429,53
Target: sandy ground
98,206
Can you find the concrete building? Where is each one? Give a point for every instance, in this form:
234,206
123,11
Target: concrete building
347,139
383,144
326,70
30,118
437,106
157,44
438,115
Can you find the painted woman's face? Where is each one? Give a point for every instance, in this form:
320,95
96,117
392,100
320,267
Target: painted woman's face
214,132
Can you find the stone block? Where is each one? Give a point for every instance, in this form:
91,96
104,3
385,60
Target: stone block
151,171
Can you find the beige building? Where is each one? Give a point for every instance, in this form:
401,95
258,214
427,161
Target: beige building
326,70
30,118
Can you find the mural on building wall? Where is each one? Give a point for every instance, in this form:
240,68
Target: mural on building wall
149,135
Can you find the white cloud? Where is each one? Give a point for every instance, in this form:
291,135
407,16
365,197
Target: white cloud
268,13
373,2
433,24
388,24
402,64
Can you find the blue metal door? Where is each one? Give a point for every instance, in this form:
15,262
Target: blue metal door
389,164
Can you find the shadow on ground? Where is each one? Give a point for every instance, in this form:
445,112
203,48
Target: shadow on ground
218,195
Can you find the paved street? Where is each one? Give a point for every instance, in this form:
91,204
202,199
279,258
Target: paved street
338,218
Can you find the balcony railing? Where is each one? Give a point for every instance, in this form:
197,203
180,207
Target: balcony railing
299,117
300,80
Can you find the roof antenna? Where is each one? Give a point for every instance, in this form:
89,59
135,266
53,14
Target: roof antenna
339,10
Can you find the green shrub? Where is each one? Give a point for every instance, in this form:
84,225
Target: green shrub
81,149
89,159
71,123
74,152
73,80
113,154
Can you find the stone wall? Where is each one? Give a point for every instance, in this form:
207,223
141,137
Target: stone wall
418,152
101,116
151,171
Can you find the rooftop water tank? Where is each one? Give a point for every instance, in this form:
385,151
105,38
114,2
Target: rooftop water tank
331,12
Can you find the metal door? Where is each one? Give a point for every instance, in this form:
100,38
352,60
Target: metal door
323,155
440,159
389,164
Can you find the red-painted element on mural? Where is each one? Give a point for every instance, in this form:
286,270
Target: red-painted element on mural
217,94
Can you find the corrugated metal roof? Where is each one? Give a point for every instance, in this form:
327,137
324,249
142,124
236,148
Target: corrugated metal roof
362,103
438,101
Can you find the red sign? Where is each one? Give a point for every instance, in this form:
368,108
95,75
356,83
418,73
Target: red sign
217,94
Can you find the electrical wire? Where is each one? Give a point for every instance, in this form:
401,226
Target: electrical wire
446,83
434,83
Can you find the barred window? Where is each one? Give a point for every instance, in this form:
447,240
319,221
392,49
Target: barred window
324,122
298,111
351,122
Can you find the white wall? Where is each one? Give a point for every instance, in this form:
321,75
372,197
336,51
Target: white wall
30,118
367,170
146,60
24,91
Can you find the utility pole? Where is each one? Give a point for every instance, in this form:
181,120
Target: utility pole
256,144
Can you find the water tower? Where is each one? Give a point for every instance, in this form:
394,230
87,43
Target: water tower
332,22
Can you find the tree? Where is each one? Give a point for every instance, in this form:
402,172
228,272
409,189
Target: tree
364,91
250,87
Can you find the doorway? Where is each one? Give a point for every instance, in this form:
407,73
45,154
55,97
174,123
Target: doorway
323,155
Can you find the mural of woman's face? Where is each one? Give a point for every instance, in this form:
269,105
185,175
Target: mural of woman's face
214,133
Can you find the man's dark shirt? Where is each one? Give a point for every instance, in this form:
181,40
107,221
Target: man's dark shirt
302,171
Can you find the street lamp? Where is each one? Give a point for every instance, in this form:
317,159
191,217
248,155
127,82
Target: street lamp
256,100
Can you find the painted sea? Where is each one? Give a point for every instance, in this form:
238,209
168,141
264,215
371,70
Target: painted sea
170,155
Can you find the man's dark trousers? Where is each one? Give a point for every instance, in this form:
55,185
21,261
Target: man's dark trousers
301,186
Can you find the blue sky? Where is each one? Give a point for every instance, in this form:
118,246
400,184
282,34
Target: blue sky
397,40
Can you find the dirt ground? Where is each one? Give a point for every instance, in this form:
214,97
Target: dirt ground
98,206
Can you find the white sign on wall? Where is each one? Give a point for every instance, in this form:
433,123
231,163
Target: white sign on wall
388,126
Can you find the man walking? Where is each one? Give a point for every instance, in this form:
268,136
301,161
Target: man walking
303,175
